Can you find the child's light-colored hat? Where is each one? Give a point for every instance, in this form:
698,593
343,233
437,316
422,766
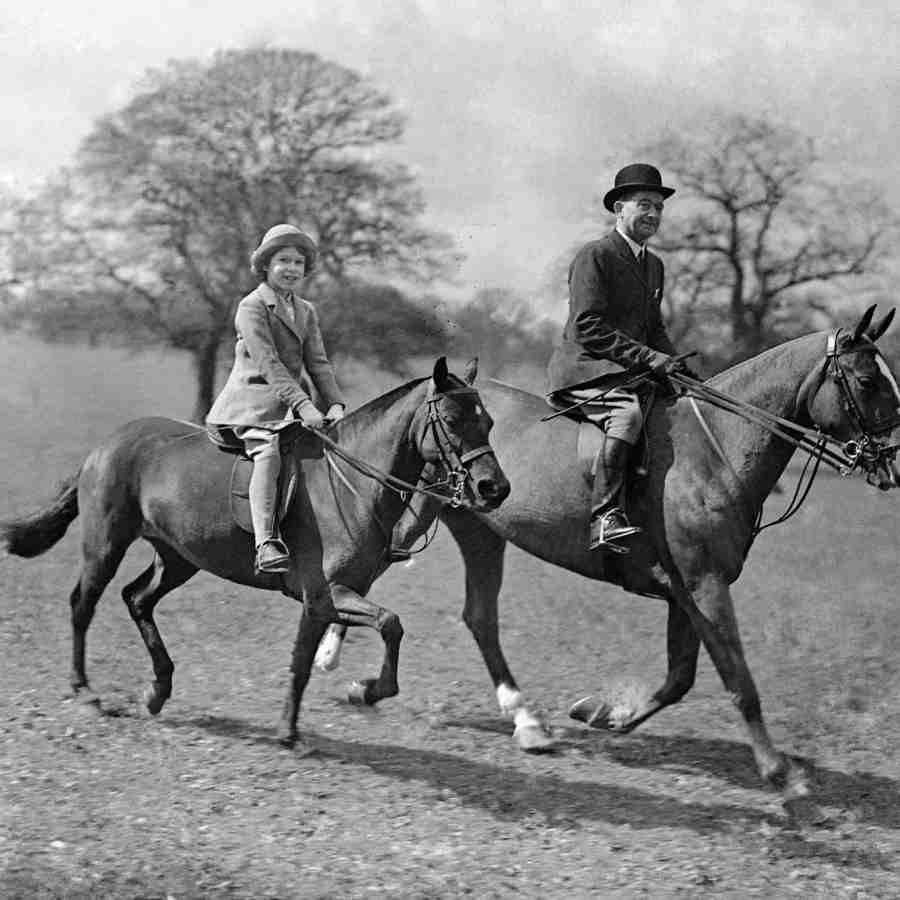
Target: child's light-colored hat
279,236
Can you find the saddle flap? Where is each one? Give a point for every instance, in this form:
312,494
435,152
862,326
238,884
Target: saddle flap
239,493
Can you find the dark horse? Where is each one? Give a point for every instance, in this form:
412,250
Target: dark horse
164,481
709,473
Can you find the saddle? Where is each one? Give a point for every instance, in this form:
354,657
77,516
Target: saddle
590,437
295,443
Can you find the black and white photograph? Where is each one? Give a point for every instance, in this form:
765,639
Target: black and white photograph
449,450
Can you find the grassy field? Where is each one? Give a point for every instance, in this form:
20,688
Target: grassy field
427,796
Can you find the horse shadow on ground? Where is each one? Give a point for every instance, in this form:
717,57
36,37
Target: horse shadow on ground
873,799
509,794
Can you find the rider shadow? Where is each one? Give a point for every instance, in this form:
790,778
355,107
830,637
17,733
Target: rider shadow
509,794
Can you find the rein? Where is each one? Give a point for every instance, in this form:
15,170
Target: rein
456,465
863,452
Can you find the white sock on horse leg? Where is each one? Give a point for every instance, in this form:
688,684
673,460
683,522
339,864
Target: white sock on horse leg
512,704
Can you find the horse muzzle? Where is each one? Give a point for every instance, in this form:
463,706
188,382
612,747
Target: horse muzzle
488,488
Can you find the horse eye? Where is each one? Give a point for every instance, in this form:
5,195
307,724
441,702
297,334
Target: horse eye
868,382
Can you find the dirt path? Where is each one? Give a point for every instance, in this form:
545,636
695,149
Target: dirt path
427,796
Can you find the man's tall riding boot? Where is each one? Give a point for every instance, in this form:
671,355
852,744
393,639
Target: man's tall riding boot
271,553
608,520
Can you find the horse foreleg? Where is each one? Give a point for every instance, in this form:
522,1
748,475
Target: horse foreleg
711,612
683,644
305,582
167,571
354,610
483,552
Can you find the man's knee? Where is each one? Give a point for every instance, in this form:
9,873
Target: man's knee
626,426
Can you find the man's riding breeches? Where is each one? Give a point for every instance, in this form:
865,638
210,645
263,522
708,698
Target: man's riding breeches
617,412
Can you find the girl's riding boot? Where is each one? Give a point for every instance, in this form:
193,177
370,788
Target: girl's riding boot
271,553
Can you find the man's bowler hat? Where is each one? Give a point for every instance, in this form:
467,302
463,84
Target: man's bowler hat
636,177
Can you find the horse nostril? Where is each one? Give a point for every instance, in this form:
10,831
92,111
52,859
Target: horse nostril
489,489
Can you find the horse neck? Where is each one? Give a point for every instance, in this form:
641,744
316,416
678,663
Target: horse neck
774,381
381,433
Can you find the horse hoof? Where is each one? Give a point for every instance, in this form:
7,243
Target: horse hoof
288,737
534,739
356,694
153,701
88,703
586,710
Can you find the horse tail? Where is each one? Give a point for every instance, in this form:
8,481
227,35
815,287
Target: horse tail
35,534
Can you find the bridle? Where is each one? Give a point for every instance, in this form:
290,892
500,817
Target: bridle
863,452
450,490
456,464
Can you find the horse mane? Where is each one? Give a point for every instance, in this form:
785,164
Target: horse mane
765,355
372,411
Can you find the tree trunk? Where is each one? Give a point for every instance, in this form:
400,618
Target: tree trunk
737,311
205,359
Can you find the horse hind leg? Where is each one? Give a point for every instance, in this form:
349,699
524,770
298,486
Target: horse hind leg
97,571
683,651
167,571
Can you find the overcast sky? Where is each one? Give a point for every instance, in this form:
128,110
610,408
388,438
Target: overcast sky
519,112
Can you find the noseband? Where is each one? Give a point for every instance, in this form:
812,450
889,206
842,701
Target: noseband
456,463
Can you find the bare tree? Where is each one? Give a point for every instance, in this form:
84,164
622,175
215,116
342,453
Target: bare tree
756,231
148,235
498,327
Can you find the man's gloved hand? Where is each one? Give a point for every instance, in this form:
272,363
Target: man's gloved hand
682,368
675,365
310,416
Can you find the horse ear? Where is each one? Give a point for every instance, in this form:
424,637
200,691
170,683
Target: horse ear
440,371
876,331
864,323
470,373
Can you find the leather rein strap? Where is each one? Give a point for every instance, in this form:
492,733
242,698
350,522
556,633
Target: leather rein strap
456,464
864,451
844,456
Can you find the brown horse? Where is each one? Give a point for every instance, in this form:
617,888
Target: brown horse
164,481
709,473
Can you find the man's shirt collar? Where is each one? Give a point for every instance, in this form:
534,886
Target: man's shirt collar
636,248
